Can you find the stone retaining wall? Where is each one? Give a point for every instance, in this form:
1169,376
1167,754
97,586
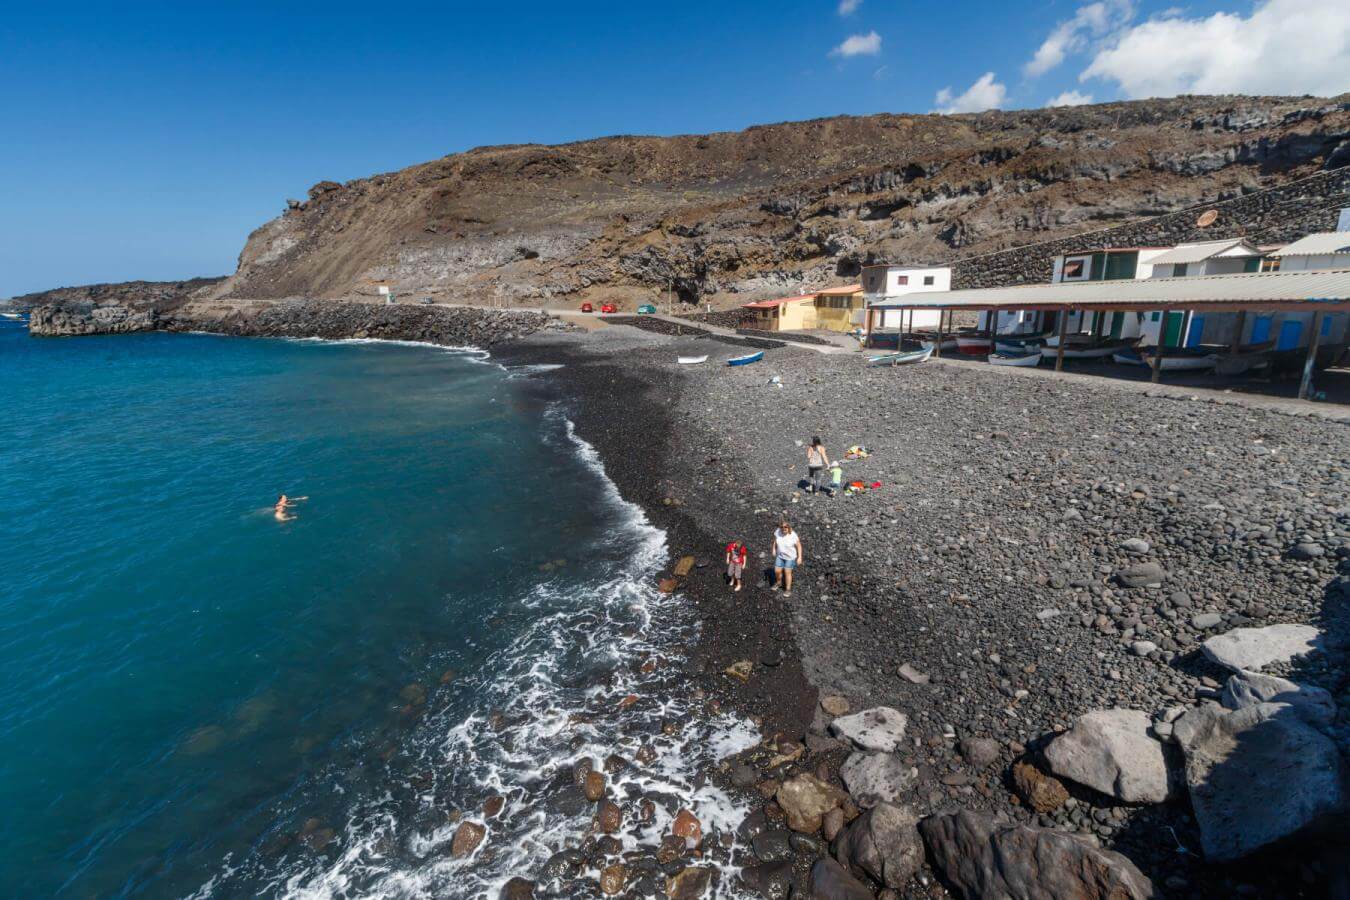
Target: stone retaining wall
1272,216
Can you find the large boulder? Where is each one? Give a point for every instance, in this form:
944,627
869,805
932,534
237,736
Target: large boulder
831,881
1256,775
883,843
806,799
874,778
879,728
1313,704
981,857
1112,751
1254,648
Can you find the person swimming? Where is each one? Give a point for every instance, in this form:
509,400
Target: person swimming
284,504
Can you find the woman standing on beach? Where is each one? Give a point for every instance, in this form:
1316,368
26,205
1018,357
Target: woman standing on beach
788,552
816,460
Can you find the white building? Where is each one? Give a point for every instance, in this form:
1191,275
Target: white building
1328,250
1228,257
883,283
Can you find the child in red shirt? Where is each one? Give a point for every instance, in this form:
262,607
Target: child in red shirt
737,554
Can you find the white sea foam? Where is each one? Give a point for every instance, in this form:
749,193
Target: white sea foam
553,698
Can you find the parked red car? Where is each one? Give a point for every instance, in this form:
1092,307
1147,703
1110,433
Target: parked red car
609,308
586,307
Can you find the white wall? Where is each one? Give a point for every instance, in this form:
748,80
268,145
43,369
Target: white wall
1310,263
926,319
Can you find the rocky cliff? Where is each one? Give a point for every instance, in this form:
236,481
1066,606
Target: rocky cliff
733,216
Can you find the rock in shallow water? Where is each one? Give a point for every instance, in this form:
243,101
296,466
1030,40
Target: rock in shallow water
467,838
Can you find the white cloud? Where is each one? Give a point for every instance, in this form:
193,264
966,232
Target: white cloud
849,7
1283,47
1089,22
1069,98
985,93
859,45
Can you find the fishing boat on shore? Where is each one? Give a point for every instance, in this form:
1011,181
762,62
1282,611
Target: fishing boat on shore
1017,344
1026,358
747,359
1174,359
900,359
928,338
1082,347
972,343
692,360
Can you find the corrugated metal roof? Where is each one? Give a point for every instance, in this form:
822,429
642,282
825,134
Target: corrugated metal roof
1189,253
768,304
1253,290
842,290
1317,244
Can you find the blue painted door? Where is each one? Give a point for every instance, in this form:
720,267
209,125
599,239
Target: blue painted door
1261,329
1289,332
1197,329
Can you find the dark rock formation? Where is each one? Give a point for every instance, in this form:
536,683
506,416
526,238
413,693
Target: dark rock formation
981,858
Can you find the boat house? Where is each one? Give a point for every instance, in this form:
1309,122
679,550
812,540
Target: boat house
1321,295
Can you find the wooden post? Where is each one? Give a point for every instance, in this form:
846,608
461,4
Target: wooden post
1313,340
1235,346
1059,351
1156,375
937,348
867,340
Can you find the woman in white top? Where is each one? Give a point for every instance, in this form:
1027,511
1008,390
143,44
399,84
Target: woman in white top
788,553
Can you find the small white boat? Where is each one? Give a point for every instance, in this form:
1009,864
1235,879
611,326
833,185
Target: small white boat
11,315
1017,344
1028,358
747,359
1180,359
1082,348
900,359
692,360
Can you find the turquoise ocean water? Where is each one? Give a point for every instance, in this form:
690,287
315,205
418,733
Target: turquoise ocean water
197,699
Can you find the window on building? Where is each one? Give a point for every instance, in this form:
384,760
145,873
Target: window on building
1270,265
1075,268
902,279
928,279
1179,270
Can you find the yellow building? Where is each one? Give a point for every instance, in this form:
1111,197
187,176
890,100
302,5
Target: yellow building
783,314
840,308
835,309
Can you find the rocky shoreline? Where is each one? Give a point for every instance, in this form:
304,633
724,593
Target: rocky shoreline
1030,612
441,325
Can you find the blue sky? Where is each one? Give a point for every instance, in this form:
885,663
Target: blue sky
147,140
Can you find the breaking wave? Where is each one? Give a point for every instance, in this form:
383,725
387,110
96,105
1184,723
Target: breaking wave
513,729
